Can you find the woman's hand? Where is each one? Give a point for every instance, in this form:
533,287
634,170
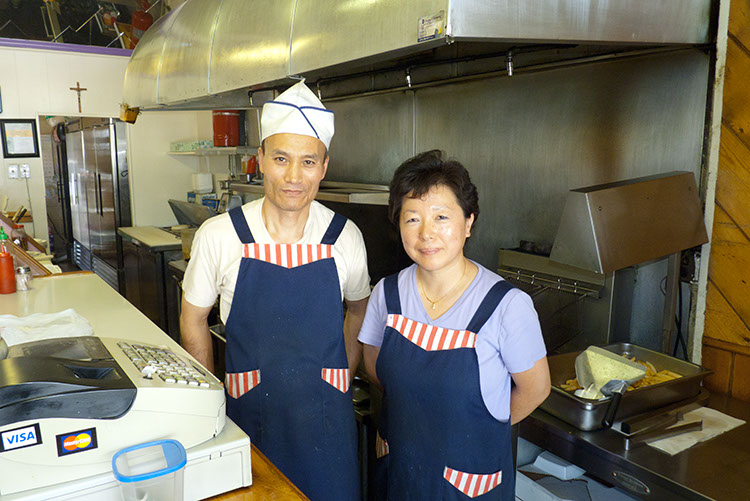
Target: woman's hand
531,388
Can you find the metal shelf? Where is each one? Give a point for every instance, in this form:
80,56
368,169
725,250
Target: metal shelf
209,152
348,193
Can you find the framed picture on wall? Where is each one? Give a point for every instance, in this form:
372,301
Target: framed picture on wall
19,138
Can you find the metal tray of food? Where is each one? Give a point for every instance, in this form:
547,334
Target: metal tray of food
587,414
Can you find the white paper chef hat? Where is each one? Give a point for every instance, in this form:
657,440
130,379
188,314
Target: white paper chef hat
297,111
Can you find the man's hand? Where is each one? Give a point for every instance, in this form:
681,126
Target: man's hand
195,337
355,315
370,354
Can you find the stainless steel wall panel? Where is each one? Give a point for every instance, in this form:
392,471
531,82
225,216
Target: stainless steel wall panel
331,32
631,21
142,74
530,138
185,62
373,136
250,44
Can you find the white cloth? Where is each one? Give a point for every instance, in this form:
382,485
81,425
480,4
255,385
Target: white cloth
67,323
714,423
217,252
297,111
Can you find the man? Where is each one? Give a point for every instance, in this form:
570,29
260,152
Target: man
282,265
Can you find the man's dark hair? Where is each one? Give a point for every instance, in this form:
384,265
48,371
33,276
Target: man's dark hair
416,176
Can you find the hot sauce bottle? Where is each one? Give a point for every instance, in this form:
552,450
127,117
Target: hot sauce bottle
7,270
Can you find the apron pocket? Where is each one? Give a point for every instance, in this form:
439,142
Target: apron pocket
338,378
472,484
239,383
381,446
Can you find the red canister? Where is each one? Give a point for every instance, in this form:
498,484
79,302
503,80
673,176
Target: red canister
226,127
141,21
7,270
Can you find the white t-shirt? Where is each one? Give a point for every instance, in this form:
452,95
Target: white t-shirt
216,254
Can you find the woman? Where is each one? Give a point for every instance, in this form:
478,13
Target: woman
445,337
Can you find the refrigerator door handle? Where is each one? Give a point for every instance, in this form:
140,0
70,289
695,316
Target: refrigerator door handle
101,199
96,196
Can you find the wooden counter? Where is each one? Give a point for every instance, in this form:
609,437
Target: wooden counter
268,483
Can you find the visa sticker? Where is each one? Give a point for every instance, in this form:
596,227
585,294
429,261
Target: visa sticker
76,441
20,437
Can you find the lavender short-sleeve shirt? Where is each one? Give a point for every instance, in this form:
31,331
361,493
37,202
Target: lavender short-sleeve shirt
511,340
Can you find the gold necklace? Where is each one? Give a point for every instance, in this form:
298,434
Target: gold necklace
453,289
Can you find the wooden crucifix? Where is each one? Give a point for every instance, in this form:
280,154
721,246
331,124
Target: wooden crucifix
78,90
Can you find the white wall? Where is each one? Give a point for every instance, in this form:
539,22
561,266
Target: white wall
156,176
36,82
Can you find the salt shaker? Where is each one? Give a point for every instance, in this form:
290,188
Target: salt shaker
23,278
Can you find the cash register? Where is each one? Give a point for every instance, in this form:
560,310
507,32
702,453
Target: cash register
67,405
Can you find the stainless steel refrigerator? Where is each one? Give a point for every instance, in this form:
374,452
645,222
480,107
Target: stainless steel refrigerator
99,195
57,194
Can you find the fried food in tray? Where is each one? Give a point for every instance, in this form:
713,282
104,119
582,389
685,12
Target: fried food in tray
652,377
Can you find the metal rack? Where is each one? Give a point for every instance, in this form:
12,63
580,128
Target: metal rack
559,293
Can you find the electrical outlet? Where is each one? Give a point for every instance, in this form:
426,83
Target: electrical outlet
25,171
13,172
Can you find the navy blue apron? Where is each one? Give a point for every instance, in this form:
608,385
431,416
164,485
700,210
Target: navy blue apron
287,377
441,441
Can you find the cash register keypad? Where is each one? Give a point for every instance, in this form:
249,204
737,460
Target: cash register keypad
153,360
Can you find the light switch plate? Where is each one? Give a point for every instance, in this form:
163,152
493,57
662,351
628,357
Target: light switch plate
13,172
25,171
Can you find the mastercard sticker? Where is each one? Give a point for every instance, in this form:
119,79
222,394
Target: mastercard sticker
76,441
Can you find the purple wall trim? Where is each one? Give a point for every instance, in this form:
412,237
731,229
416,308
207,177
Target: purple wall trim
63,47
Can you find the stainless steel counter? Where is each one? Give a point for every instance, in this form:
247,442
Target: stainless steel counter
716,469
152,237
178,267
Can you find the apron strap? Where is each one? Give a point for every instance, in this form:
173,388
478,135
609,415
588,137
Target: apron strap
246,237
489,305
392,298
240,225
334,229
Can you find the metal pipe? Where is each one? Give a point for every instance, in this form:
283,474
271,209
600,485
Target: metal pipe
528,69
89,19
44,21
61,33
670,302
118,37
155,4
509,63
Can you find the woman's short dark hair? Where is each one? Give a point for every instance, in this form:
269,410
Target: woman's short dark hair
416,176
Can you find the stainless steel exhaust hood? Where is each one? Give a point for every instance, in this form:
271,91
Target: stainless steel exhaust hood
612,226
210,54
